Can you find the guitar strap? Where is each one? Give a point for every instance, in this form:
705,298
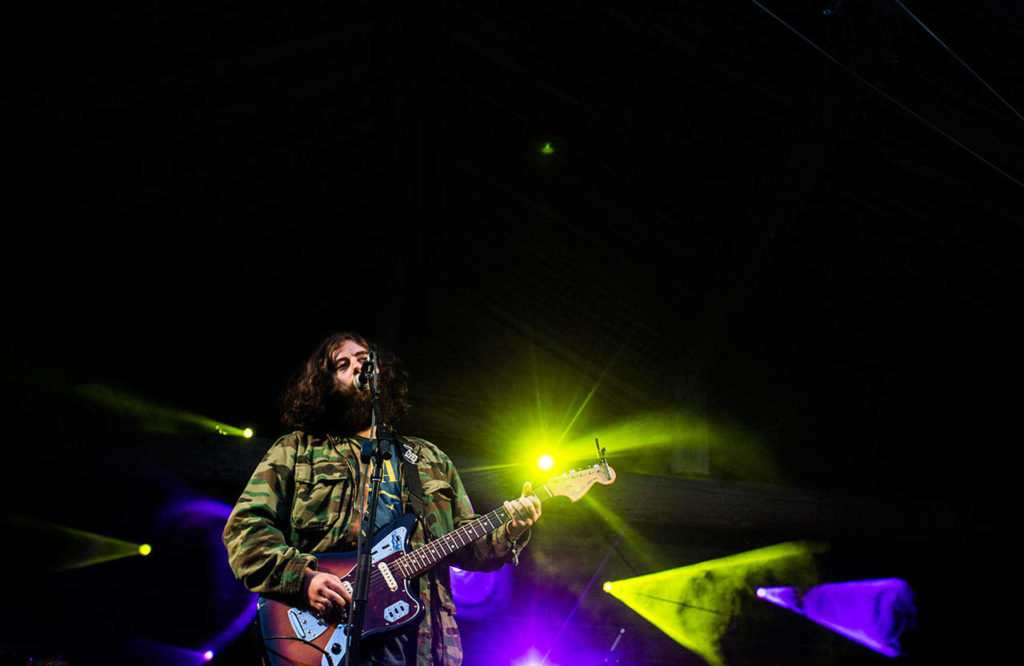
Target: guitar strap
415,484
412,479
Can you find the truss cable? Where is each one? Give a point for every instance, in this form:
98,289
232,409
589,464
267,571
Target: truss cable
889,97
959,59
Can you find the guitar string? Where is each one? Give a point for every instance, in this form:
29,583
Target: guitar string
410,560
412,563
465,530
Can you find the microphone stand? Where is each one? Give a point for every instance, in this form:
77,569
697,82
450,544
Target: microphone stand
360,592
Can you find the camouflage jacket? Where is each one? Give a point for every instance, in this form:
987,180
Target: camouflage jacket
301,500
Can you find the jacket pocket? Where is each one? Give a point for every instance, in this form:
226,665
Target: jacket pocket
438,497
438,489
321,490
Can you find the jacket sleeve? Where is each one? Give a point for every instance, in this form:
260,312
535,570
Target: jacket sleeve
256,532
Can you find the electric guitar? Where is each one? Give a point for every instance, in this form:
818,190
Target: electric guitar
294,636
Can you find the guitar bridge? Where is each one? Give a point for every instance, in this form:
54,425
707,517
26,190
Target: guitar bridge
306,625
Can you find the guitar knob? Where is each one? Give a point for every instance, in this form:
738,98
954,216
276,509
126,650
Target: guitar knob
336,648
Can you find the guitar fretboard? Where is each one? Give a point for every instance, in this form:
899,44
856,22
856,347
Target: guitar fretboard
425,557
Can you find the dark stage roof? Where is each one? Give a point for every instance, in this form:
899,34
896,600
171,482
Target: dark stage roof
801,222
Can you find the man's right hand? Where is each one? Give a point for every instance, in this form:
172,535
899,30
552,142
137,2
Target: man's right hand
325,592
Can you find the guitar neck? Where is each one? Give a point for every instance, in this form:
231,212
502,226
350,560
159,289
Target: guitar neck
424,558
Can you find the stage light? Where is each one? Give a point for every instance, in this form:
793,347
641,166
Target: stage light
546,149
545,462
874,613
247,433
544,406
145,549
694,604
61,548
131,646
540,406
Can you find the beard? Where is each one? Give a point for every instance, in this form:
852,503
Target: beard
351,411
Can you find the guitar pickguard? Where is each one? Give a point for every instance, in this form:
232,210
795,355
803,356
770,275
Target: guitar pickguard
392,542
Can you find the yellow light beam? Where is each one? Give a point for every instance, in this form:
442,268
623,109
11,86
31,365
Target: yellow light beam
693,604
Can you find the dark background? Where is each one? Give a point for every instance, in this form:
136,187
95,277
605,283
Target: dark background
730,225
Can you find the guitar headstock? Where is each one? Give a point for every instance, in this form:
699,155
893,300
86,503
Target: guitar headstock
576,483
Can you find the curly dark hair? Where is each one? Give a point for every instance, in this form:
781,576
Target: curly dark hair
312,401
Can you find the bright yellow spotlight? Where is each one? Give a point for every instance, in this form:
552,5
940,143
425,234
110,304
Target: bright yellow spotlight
608,587
545,462
145,549
247,433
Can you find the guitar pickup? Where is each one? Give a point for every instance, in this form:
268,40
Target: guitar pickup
389,578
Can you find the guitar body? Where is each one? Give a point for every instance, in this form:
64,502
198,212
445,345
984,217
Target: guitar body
294,636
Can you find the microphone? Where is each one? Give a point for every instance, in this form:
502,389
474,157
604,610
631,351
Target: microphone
361,381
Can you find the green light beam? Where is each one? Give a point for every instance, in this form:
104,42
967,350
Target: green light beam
152,417
480,469
61,548
583,405
641,549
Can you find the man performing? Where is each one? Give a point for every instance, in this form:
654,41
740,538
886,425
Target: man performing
308,495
